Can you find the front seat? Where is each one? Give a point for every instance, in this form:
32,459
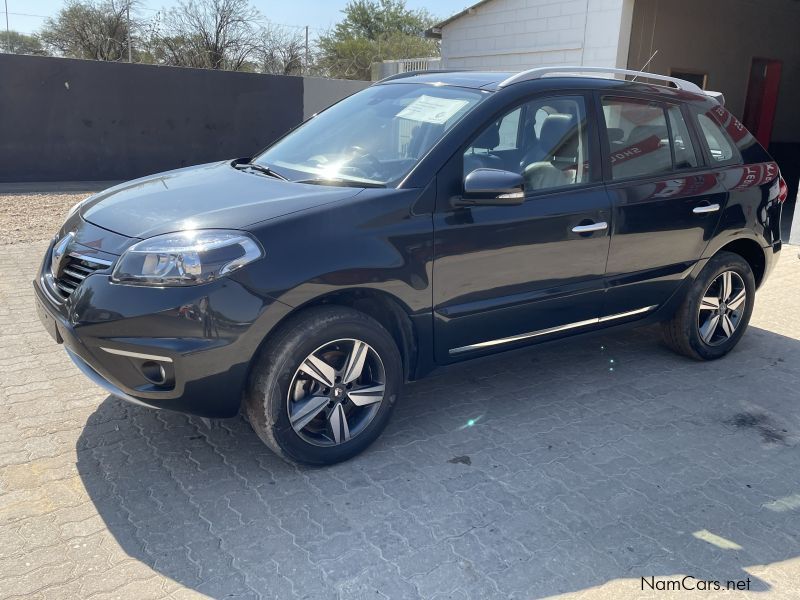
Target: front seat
552,162
542,175
552,137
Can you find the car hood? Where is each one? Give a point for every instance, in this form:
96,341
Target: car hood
213,196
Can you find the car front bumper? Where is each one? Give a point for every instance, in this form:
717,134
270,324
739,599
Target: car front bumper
187,349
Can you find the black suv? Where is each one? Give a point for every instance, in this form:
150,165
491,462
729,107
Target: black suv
431,218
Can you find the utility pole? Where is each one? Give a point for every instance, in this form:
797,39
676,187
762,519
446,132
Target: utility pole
305,70
8,33
128,12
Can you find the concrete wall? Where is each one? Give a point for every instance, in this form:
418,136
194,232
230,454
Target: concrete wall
513,35
721,37
69,120
319,93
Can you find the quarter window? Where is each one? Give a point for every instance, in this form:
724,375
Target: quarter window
721,149
509,131
545,140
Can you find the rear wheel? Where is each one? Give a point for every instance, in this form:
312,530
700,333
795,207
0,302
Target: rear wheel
716,311
325,386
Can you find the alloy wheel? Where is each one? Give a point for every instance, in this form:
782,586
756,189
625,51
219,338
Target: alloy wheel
721,308
336,392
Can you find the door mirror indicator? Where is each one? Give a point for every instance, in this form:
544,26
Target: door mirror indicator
492,187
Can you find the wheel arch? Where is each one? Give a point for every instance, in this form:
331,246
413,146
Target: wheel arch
752,252
379,305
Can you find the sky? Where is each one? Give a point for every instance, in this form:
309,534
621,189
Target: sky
26,16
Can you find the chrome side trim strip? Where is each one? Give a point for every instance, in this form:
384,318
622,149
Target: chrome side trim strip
630,313
522,336
98,379
92,259
549,330
137,354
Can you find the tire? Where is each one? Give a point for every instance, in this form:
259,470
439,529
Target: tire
691,331
324,340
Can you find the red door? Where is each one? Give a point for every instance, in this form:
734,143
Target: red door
762,98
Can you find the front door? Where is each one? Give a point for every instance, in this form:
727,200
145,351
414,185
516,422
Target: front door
509,275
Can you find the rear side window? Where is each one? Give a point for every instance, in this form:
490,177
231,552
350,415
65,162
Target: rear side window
719,146
638,137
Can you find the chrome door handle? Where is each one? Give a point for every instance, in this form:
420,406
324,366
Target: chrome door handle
591,227
709,208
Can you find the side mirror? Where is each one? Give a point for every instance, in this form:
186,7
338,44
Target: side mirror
492,187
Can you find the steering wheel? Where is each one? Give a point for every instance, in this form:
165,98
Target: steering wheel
359,152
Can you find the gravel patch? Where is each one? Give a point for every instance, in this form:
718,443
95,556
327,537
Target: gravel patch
28,217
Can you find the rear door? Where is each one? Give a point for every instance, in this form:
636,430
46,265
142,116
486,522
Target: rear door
666,201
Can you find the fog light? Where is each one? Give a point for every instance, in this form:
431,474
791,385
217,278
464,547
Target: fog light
154,372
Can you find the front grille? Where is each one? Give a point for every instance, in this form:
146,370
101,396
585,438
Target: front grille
74,270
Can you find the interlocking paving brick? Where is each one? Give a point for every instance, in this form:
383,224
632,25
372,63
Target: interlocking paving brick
533,473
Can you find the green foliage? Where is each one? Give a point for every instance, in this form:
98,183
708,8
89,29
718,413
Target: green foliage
95,29
372,19
15,42
372,31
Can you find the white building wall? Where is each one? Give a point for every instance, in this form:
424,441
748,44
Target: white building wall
518,34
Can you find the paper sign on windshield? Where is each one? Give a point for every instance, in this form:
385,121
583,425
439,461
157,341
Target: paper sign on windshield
430,109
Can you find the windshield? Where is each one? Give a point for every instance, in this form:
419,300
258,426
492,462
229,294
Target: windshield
373,137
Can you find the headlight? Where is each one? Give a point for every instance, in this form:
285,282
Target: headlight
186,257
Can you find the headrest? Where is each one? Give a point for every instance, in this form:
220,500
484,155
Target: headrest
555,130
489,139
615,134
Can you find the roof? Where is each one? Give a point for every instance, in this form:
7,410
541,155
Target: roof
470,79
435,31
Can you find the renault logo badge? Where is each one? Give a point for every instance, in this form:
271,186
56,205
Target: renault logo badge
58,254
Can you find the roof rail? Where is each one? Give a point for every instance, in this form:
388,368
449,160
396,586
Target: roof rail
540,72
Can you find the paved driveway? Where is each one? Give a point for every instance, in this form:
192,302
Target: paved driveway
575,468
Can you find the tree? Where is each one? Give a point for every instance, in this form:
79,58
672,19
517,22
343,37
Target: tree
95,29
211,34
372,19
15,42
374,30
281,51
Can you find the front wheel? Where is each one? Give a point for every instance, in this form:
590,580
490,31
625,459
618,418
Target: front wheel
325,386
716,311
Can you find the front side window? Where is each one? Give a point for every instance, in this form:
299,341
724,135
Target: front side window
545,140
374,137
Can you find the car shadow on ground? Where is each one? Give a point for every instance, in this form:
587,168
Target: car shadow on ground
527,474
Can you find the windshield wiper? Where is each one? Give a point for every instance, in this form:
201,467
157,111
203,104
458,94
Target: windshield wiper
343,182
260,169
